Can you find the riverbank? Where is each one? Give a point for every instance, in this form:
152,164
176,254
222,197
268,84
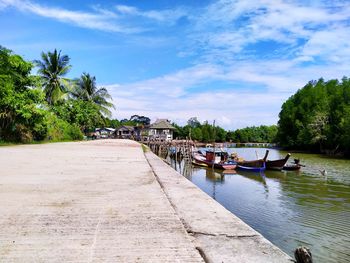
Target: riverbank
103,201
219,235
290,209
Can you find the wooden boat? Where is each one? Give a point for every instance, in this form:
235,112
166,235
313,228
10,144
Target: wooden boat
254,165
291,167
277,164
199,159
218,159
257,168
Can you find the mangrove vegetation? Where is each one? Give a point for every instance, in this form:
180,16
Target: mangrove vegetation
317,118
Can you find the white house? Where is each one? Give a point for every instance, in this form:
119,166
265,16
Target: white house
161,129
105,132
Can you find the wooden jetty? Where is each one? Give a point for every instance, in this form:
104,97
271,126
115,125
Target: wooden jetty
176,149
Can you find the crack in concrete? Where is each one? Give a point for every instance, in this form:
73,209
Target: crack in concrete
202,253
185,225
194,233
93,245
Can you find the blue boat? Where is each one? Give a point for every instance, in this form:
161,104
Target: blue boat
252,168
256,166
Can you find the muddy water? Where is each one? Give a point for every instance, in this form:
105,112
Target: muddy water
289,208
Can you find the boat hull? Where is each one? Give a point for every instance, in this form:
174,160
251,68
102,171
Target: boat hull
277,164
251,169
292,167
200,160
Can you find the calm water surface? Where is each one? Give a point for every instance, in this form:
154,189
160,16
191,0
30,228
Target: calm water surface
289,208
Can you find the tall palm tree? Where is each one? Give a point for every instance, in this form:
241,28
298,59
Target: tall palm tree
87,90
52,69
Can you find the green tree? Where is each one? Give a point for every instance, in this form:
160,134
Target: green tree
220,134
84,114
141,120
112,123
52,68
196,134
193,122
22,117
86,90
315,117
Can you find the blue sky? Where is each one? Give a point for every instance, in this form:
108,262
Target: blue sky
229,60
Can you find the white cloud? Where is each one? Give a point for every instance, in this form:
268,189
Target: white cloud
109,20
254,92
169,16
226,27
101,20
310,40
334,45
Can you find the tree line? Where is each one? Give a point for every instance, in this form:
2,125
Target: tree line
48,106
206,132
317,118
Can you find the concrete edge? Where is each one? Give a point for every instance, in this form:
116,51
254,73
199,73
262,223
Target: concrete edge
218,235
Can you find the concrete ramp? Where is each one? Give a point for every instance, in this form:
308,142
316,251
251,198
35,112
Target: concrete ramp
95,201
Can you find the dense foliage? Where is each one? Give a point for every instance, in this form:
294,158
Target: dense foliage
46,107
317,117
209,132
254,134
22,117
86,90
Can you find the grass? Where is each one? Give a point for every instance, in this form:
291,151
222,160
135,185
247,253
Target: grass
4,143
144,148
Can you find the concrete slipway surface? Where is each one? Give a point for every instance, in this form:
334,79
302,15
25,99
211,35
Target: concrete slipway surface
108,201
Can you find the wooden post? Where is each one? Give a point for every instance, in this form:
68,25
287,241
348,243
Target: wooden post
303,255
214,144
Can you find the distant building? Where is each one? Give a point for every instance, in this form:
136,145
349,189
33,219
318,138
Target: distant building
125,132
162,130
104,132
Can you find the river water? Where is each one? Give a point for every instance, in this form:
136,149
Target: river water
289,208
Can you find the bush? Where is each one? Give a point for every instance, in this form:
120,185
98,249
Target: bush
74,132
60,130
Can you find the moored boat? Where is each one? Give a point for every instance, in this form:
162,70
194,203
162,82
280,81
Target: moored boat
277,164
291,167
218,159
254,165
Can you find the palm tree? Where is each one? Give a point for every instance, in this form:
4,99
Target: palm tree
87,90
52,68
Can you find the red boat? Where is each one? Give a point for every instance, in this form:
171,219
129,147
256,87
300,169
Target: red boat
218,159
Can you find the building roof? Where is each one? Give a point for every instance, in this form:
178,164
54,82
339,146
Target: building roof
162,124
105,129
126,127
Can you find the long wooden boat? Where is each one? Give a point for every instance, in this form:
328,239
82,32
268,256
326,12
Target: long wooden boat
291,167
277,164
254,165
210,160
255,169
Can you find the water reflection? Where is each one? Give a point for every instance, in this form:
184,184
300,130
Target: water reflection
289,208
